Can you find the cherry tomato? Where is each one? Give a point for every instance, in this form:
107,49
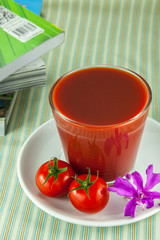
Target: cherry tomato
54,177
88,193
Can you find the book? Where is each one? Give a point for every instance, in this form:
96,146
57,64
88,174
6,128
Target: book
25,36
34,74
33,5
7,102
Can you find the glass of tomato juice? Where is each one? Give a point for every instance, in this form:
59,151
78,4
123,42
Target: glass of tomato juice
100,113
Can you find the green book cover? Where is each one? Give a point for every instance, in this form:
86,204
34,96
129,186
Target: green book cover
24,36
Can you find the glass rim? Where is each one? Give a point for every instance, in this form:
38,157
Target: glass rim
102,125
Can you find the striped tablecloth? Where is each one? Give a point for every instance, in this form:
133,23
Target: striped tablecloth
118,32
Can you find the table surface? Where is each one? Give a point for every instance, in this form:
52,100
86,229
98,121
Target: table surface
119,32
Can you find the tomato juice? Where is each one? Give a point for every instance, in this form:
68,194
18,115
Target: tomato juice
100,114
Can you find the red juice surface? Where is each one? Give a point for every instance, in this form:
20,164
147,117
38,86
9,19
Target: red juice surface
92,108
100,96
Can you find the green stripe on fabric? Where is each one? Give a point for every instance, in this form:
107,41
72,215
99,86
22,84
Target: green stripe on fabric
8,169
144,35
25,220
92,34
156,58
122,39
80,35
12,213
134,34
110,34
10,176
115,21
54,229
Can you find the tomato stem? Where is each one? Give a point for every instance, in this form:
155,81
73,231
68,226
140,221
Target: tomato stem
86,184
54,171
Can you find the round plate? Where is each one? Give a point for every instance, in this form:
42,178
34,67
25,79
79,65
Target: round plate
44,143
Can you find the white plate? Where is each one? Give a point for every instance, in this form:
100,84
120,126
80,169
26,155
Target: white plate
44,143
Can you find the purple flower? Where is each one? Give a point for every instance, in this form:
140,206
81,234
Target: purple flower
139,194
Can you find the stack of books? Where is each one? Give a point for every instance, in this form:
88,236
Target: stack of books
7,102
33,74
24,38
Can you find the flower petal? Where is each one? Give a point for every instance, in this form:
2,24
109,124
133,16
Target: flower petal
123,187
130,208
148,201
137,181
152,195
128,176
152,178
149,197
